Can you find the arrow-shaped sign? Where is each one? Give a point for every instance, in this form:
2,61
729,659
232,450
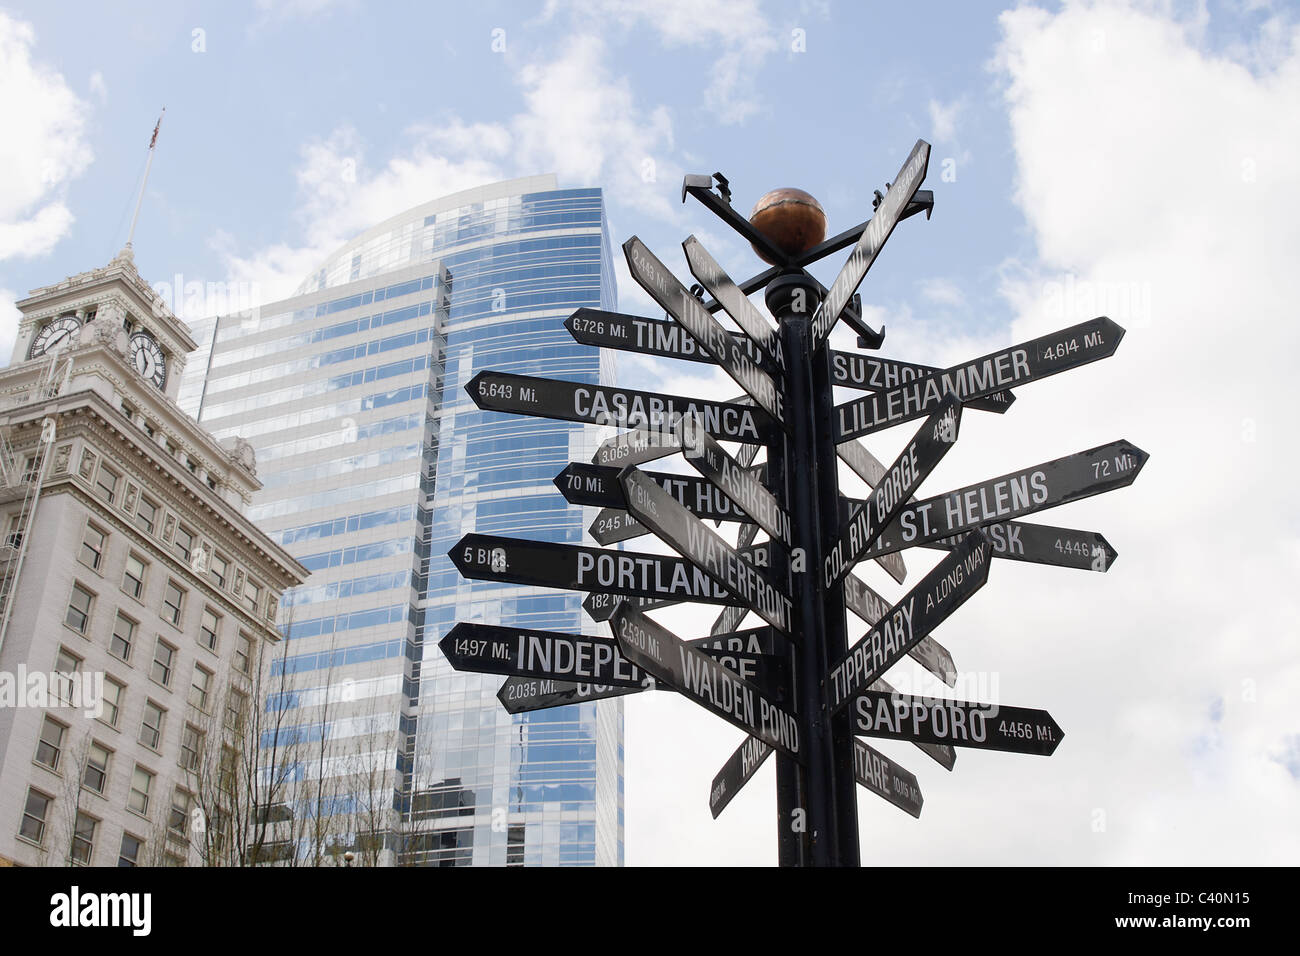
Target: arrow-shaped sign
886,779
1038,487
637,447
896,486
635,333
872,608
952,581
1043,544
1027,362
869,244
870,469
871,373
678,302
743,486
597,485
955,723
602,405
600,605
573,567
698,677
522,694
694,540
737,305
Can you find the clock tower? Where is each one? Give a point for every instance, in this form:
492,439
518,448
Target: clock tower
127,561
95,306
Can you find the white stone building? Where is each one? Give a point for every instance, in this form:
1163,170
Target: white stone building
125,558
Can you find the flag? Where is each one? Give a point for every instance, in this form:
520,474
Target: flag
153,139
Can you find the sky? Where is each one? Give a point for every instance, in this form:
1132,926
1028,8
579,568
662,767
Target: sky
1133,159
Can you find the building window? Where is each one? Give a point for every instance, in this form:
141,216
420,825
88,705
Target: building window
141,785
129,855
29,469
106,483
35,811
67,665
183,544
208,629
191,748
78,616
236,707
146,514
164,659
95,779
113,697
179,818
92,547
83,839
123,637
200,686
14,534
252,595
133,576
151,726
173,601
219,569
244,654
50,747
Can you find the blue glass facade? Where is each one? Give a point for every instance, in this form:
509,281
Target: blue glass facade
375,462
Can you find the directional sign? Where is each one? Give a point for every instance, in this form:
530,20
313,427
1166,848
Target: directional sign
692,538
488,557
678,302
743,312
1026,362
942,591
613,525
753,654
872,608
955,723
886,779
943,755
698,677
600,605
597,485
872,373
736,772
634,333
522,652
602,405
521,694
637,447
903,477
741,485
1043,544
882,224
1052,483
870,469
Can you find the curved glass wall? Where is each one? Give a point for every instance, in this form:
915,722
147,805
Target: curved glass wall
375,462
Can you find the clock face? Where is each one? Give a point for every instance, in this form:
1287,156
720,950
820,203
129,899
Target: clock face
148,358
59,334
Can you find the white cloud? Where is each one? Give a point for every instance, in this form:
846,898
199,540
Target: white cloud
578,120
43,148
943,120
735,34
942,291
98,87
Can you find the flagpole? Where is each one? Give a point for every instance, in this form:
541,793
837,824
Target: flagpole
148,164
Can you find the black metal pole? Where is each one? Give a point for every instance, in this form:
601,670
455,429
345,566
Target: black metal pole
792,298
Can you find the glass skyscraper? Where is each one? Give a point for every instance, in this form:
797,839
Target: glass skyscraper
375,462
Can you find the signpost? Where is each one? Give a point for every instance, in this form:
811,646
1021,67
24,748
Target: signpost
1022,492
797,687
956,723
1027,362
